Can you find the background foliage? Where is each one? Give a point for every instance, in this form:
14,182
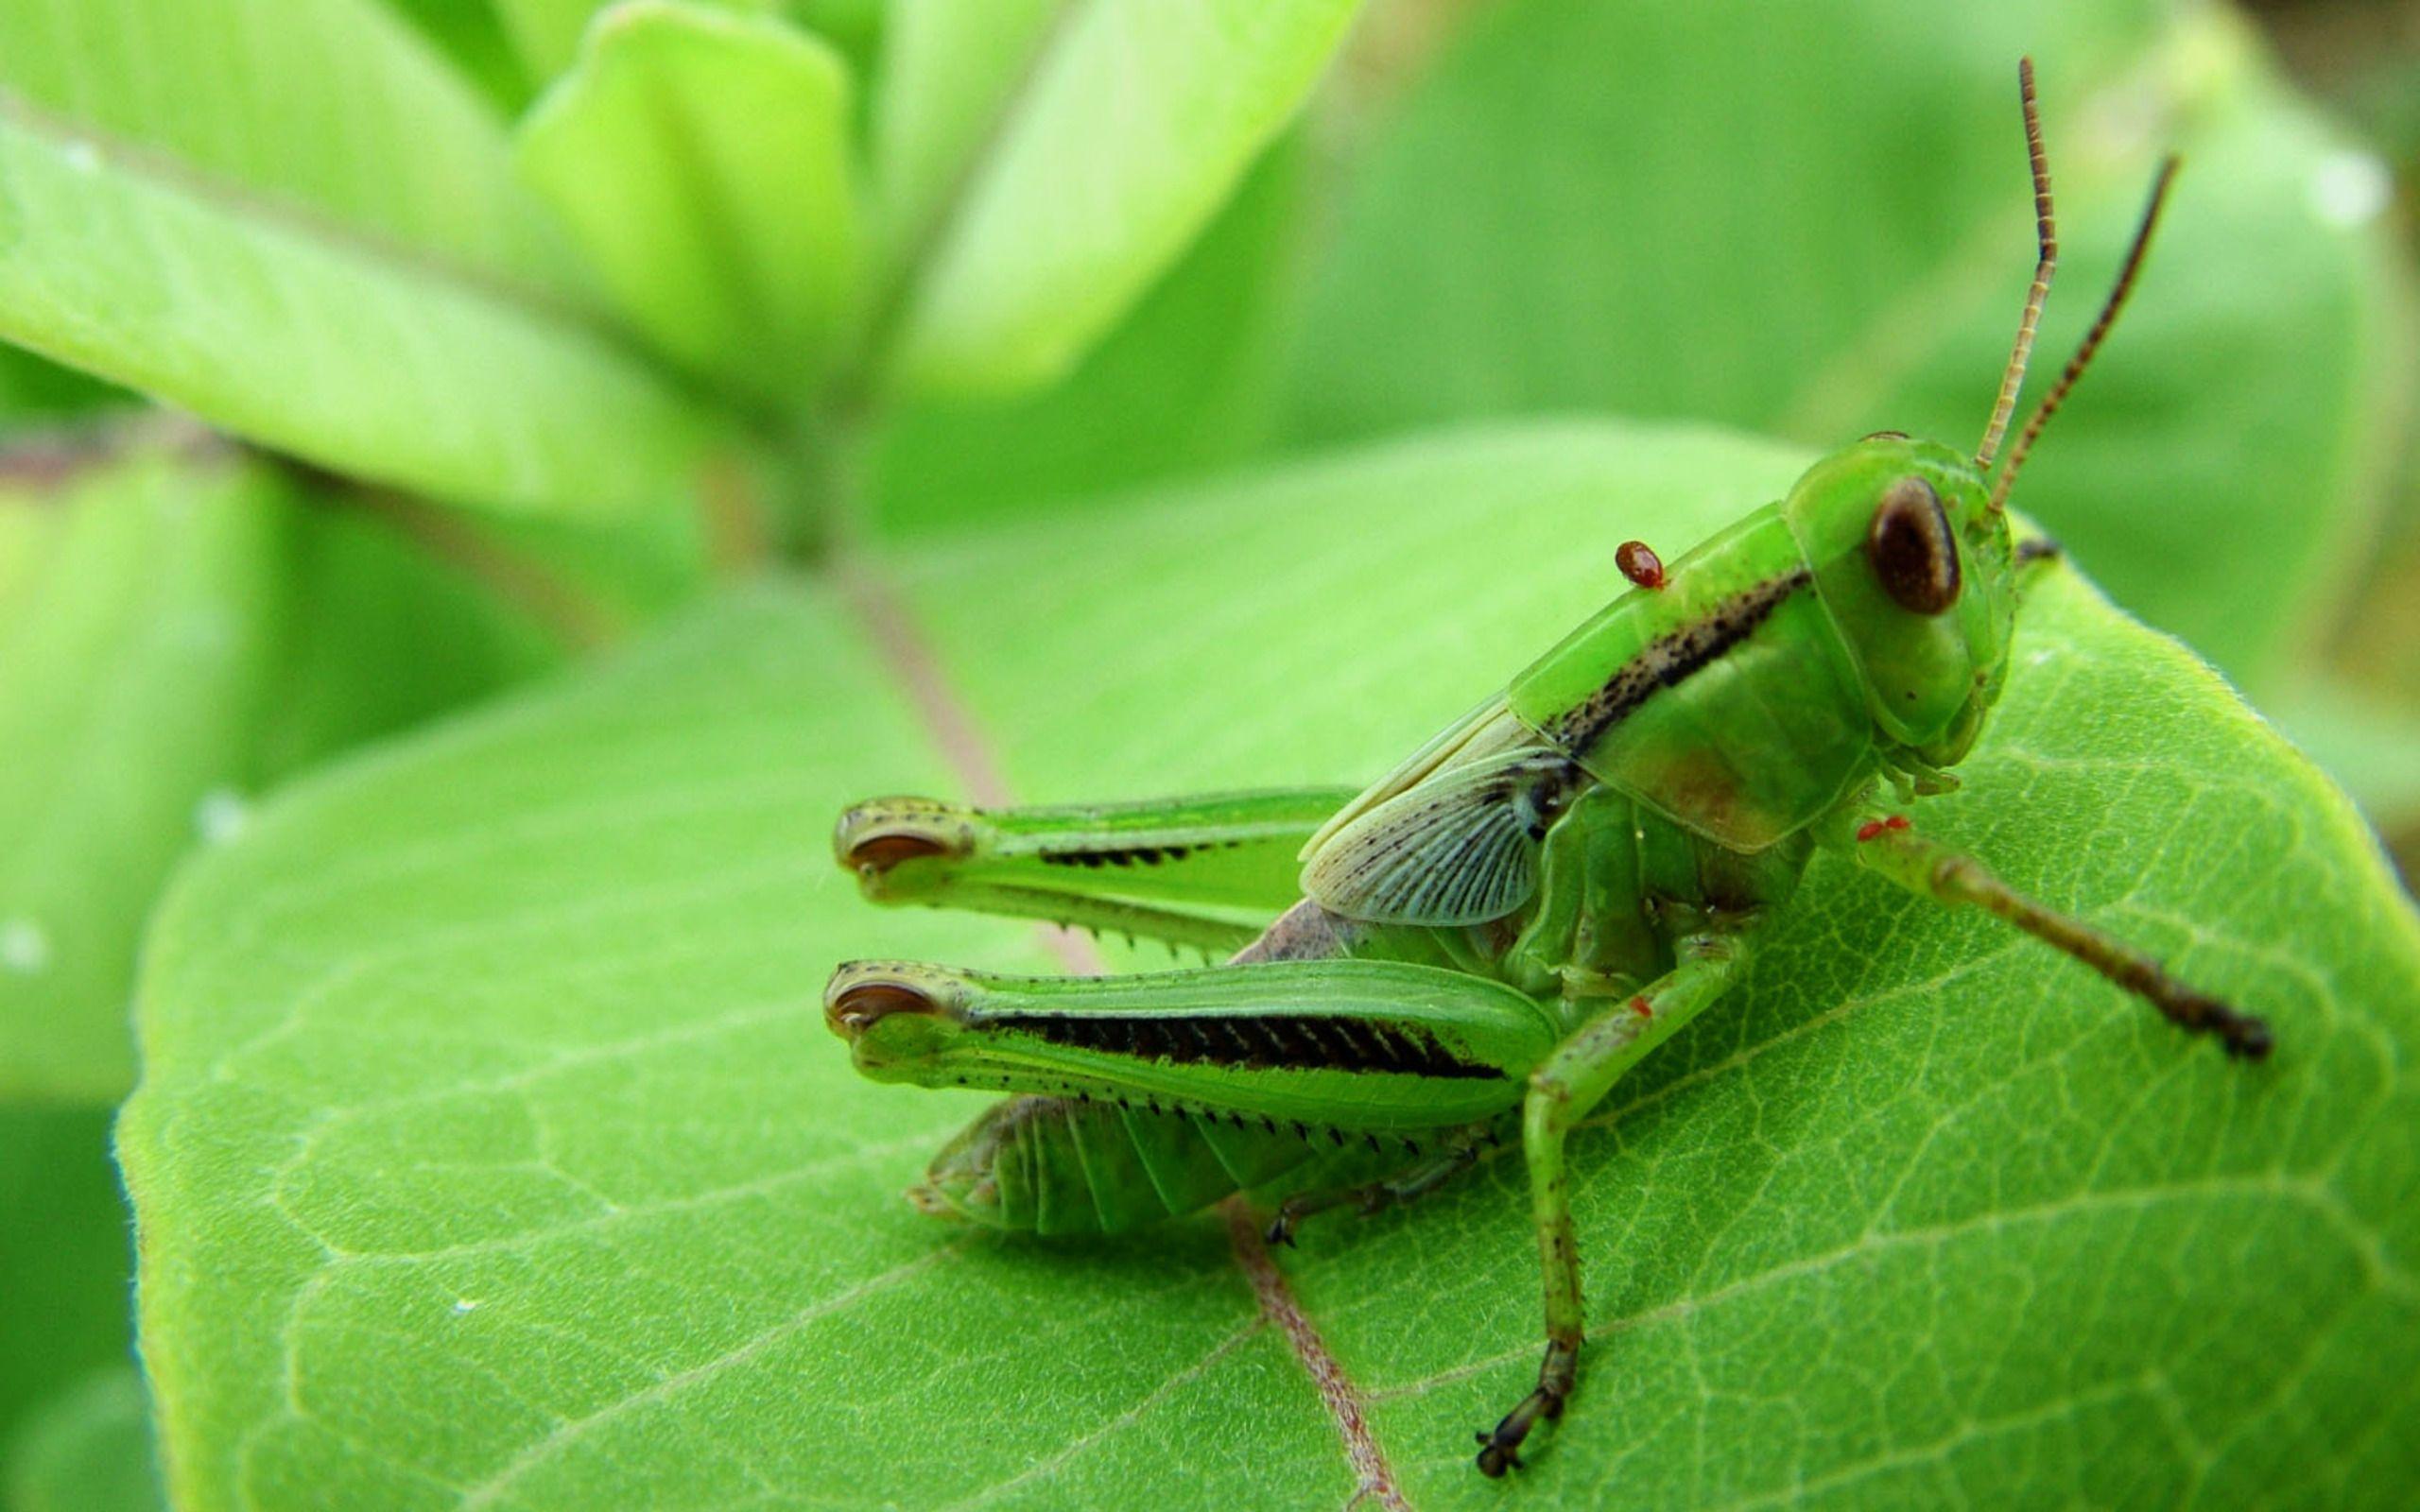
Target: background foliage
484,481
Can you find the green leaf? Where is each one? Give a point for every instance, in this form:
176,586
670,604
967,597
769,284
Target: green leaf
88,1450
1813,220
379,636
1185,386
547,32
139,618
333,348
1133,125
29,387
702,161
64,1259
948,72
177,632
471,35
342,267
491,1153
364,125
853,27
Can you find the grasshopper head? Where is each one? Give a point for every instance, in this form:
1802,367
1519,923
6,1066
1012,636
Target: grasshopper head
1917,570
1910,547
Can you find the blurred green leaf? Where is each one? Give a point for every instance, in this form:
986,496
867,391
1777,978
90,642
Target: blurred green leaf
1107,151
31,386
323,344
547,32
88,1449
491,1153
138,626
947,74
471,35
65,1261
333,106
853,27
380,636
1185,385
1813,220
703,162
2369,743
177,633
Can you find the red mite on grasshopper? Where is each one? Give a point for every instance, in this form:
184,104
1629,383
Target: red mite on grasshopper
1432,980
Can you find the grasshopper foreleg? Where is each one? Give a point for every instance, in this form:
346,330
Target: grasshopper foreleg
1561,1091
1886,843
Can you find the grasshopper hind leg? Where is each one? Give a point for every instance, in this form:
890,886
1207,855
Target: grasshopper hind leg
1204,873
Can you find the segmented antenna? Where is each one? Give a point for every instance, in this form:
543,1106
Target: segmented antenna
2047,234
2091,342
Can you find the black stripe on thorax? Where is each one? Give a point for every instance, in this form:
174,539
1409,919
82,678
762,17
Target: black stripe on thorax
1253,1041
1673,657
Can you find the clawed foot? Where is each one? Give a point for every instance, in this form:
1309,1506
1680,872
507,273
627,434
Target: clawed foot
1499,1449
2246,1038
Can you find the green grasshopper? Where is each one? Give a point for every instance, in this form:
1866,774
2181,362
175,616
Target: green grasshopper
1517,914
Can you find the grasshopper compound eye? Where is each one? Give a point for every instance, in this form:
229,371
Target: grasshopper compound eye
1913,553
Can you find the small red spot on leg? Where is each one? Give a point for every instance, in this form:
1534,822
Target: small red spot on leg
1896,821
1868,830
1639,1005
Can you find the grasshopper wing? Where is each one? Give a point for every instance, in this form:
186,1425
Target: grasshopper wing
1483,731
1459,847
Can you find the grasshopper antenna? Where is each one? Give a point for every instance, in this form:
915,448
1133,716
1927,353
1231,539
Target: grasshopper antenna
2092,338
2045,233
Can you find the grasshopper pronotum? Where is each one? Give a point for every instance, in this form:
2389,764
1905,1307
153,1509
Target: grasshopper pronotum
1520,912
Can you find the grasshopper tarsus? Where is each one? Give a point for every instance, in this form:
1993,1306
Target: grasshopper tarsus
2243,1036
1494,1459
1499,1448
2248,1038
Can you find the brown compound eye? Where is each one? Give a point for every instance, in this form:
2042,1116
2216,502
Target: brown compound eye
1913,552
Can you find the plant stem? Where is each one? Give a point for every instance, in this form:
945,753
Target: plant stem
818,502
